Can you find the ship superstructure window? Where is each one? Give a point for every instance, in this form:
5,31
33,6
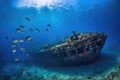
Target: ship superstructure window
87,48
80,50
99,43
95,49
91,49
72,52
64,54
61,54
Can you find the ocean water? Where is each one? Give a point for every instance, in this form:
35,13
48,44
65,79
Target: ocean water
63,16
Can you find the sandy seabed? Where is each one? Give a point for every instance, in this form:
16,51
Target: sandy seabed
106,69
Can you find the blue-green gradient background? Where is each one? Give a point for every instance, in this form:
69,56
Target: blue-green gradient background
86,16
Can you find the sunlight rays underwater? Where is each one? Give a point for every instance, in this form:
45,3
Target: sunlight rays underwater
105,63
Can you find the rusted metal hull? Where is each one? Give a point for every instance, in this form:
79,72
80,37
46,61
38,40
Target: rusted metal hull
47,58
81,59
74,53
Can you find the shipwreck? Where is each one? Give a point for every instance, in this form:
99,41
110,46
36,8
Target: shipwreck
79,48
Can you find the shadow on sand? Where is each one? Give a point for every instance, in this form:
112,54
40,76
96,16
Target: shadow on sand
104,62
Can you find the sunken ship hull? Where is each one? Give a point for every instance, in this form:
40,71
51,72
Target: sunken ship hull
78,49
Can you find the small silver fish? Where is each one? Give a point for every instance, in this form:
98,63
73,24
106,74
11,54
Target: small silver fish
21,40
37,30
28,38
46,45
18,30
13,45
15,40
22,49
47,30
22,31
16,59
48,25
28,19
14,50
21,26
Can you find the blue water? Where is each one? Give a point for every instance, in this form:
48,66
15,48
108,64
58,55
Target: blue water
83,16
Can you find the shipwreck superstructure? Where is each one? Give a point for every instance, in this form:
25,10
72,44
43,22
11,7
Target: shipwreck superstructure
77,49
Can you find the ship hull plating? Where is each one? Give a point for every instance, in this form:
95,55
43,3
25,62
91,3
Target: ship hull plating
47,59
84,59
76,51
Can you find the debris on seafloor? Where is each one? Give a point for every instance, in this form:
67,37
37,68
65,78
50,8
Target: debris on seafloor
33,75
20,73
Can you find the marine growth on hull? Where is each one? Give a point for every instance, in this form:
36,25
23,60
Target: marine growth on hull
78,48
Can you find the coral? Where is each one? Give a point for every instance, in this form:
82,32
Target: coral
35,73
54,77
41,78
